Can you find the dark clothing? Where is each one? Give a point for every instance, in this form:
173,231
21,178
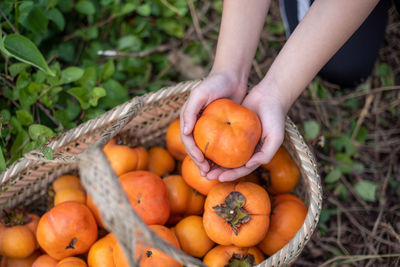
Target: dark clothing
355,60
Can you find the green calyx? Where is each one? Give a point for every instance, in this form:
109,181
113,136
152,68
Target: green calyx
238,260
15,217
232,211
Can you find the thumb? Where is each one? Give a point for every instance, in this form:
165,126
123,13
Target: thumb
268,149
189,113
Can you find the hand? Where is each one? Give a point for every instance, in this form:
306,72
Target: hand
215,86
272,114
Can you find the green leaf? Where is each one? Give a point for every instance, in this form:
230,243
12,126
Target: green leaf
333,176
20,141
95,95
71,74
37,21
366,190
2,160
57,17
17,68
145,9
126,9
82,95
311,129
85,7
48,152
37,130
107,71
23,80
384,70
344,142
132,42
24,50
89,77
171,26
24,117
5,115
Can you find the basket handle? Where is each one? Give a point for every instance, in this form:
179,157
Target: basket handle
102,184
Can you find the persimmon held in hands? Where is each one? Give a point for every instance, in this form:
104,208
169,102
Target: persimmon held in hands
227,133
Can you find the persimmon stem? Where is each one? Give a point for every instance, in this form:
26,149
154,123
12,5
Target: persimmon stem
232,211
238,260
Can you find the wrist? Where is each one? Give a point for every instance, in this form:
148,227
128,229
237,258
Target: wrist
270,87
234,78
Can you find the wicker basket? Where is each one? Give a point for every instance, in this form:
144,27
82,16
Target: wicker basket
143,120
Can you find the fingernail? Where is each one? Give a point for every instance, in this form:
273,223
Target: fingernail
186,130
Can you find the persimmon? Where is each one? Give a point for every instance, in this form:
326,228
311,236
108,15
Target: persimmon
182,198
45,261
237,214
226,256
150,257
148,196
69,194
66,230
284,197
124,159
251,177
227,133
68,188
95,210
18,233
71,262
160,161
23,262
287,216
283,172
174,142
67,181
192,236
101,252
191,175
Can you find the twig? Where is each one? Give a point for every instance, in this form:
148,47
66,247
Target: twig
339,100
8,22
198,29
171,7
99,24
47,112
363,114
257,69
353,258
158,49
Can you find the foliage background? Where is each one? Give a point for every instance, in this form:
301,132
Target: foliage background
355,133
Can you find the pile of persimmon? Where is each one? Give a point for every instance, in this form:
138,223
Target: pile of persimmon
237,223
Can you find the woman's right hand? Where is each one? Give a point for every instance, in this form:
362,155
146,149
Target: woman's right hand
215,86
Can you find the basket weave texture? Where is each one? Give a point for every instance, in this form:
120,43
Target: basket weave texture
141,121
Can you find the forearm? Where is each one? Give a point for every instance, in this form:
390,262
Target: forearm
241,26
324,29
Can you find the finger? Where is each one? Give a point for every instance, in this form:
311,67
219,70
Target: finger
268,150
233,174
215,173
192,108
